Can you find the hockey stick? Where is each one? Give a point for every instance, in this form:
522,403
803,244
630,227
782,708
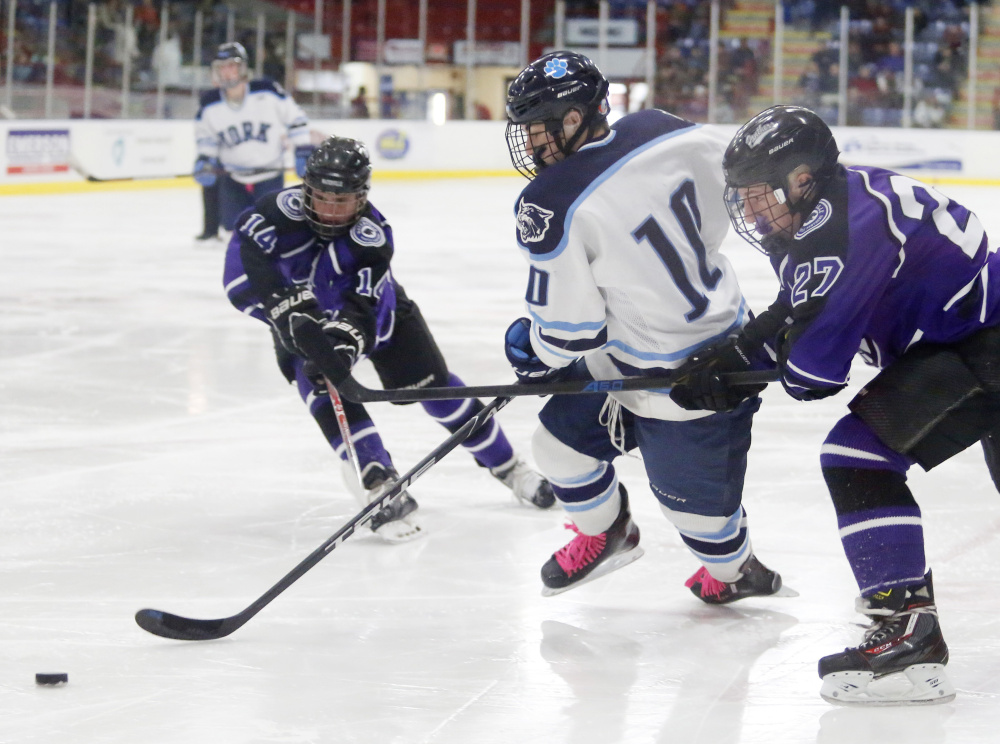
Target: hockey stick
313,342
345,433
221,171
167,625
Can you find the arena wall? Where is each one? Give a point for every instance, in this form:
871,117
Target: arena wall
52,156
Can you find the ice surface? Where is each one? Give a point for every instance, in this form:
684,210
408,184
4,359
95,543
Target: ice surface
151,455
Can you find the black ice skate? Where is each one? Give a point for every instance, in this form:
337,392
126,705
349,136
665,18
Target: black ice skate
393,522
757,581
587,557
527,484
904,637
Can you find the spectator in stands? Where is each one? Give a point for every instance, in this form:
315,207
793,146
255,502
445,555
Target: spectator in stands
811,82
359,104
929,113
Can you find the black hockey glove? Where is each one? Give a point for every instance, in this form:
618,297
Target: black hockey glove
279,308
347,345
701,385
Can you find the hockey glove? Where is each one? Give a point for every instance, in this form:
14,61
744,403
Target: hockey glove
527,366
281,306
302,153
346,341
206,170
701,386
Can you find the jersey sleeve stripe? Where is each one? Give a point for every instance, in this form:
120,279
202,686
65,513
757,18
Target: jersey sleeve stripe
578,344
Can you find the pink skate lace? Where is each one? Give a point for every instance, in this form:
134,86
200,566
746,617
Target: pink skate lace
709,585
580,551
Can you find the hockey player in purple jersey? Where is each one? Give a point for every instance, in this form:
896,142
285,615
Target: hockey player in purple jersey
323,250
874,263
621,226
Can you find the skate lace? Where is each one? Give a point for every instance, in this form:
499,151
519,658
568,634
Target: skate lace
884,628
710,586
580,551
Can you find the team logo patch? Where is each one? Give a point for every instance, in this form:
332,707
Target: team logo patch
556,68
532,221
819,217
754,138
290,204
366,232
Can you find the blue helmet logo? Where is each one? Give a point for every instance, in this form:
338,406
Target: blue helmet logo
555,68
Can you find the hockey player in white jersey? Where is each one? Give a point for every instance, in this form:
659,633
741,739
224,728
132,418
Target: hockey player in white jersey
240,131
621,227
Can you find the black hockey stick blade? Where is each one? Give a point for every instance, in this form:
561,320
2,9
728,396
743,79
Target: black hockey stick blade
177,627
313,342
354,391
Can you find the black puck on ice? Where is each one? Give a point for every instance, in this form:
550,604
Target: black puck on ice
55,678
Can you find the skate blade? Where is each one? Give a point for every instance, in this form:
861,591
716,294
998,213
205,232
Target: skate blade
612,564
785,591
400,530
919,684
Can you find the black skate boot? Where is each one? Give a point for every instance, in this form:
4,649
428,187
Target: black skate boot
527,484
757,581
393,522
905,636
991,449
588,556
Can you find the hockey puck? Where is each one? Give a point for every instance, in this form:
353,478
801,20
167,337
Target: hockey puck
55,678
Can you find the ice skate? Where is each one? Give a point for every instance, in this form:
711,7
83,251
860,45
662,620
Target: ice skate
395,522
902,658
587,557
757,580
527,484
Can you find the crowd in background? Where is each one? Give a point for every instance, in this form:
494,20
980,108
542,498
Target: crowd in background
875,62
875,53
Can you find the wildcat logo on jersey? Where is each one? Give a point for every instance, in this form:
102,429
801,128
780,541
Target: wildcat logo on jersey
556,68
532,221
819,217
754,138
235,135
366,232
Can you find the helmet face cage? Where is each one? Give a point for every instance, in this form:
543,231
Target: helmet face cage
228,53
761,232
338,168
543,93
761,157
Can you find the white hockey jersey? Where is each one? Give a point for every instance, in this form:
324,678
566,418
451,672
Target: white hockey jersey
249,139
622,239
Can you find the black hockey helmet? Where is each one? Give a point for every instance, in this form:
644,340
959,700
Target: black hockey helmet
337,169
544,92
229,52
766,150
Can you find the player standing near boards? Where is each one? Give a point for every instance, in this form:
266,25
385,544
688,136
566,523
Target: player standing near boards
874,263
240,132
323,250
621,228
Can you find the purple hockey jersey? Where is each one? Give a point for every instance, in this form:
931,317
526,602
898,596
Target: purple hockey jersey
882,263
272,247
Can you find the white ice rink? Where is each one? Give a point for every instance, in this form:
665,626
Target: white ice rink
151,455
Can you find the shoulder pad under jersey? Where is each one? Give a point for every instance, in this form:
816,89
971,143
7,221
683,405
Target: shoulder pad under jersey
265,85
207,98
